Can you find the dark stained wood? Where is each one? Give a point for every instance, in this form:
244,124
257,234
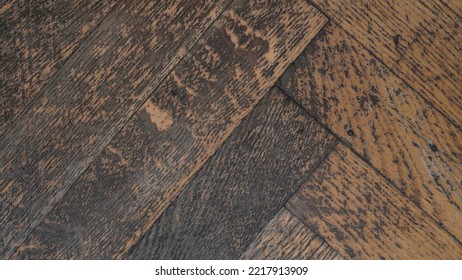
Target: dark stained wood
36,37
285,237
92,96
420,40
125,190
362,216
241,187
384,121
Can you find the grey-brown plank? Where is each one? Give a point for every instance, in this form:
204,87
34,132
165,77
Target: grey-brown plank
383,120
92,96
420,40
36,37
362,216
187,118
285,237
243,185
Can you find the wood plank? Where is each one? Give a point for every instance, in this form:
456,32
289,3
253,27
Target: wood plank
94,94
362,216
285,237
188,117
384,121
241,187
419,40
36,38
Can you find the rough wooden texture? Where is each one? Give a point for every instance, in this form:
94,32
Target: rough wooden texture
241,187
418,39
454,5
285,237
362,216
187,118
384,121
94,94
36,37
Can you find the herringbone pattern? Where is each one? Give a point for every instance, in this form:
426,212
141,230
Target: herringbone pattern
231,129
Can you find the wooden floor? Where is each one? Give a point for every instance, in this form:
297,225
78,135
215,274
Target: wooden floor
229,129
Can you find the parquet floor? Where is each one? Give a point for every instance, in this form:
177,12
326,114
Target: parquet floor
231,129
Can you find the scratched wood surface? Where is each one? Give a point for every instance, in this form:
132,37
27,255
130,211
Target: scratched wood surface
360,215
231,129
92,96
383,120
242,186
177,129
418,39
36,37
285,237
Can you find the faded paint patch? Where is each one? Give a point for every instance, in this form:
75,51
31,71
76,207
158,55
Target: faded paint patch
160,118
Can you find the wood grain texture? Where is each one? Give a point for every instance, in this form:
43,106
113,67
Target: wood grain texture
285,237
384,121
361,216
94,94
454,5
419,40
36,38
241,187
183,123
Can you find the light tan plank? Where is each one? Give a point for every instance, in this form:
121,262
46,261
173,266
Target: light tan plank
362,216
388,124
419,40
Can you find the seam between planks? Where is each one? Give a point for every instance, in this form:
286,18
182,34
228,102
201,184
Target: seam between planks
372,167
391,70
9,254
302,184
58,70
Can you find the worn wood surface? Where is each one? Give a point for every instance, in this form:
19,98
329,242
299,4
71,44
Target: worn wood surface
94,94
285,237
419,40
196,108
454,5
359,214
241,187
36,38
384,121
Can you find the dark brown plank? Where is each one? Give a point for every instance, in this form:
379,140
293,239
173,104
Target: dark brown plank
184,122
241,187
36,37
94,94
420,40
285,237
362,216
383,120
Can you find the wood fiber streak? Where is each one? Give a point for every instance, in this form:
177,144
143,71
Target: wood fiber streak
361,216
241,187
36,37
285,237
92,96
420,40
454,5
182,124
384,121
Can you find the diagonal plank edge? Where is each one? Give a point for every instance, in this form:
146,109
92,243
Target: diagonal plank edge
94,94
382,120
362,216
133,180
243,185
286,237
36,40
